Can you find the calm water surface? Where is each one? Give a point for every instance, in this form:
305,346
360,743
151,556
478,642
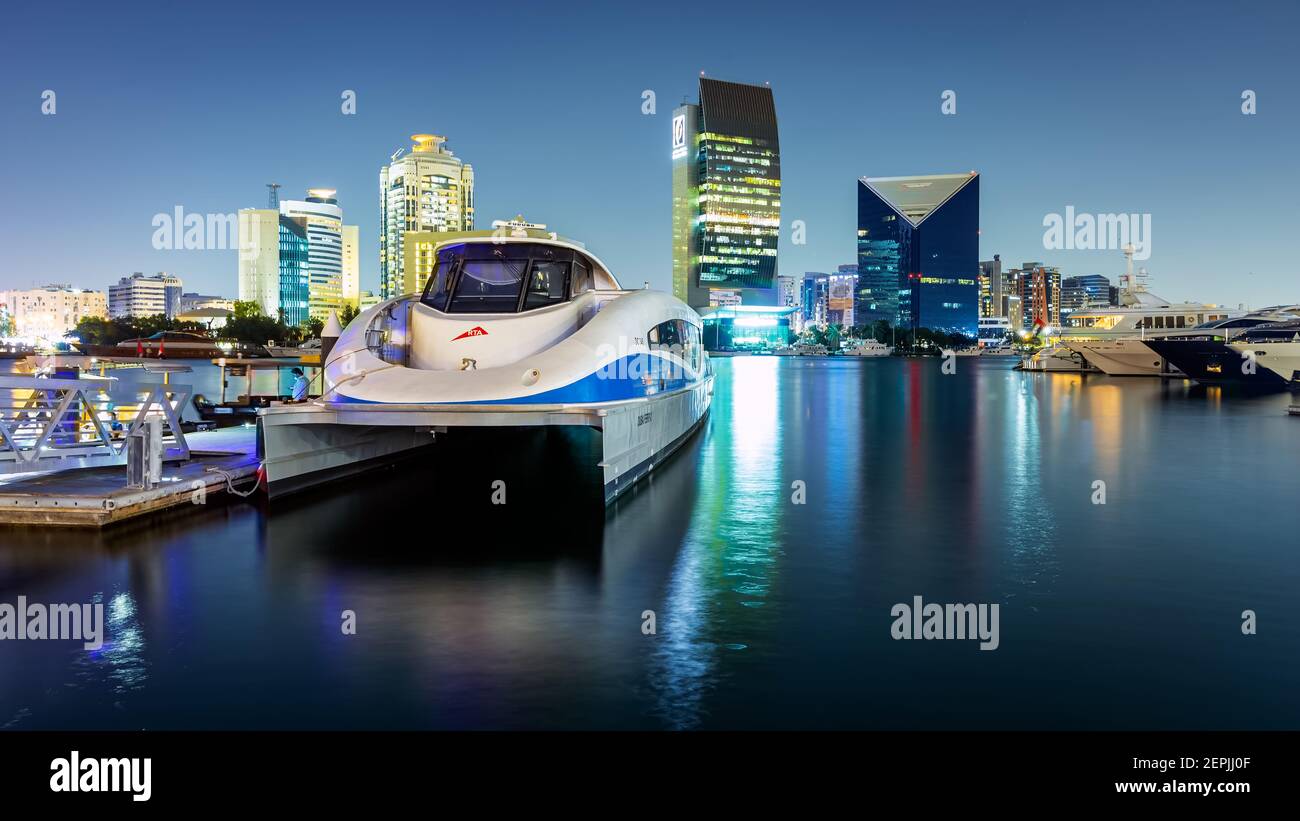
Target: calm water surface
973,487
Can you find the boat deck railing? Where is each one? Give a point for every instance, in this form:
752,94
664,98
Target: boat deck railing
56,424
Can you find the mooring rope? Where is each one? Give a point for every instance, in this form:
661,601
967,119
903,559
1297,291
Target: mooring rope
230,482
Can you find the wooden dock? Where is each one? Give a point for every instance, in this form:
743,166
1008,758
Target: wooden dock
99,496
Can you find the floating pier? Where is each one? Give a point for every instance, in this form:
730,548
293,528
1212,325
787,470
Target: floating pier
219,460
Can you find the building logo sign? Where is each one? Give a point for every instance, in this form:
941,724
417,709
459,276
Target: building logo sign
679,136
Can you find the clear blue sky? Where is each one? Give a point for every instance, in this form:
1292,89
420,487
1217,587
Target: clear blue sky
1110,107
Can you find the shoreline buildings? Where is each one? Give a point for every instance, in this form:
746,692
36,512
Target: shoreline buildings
429,190
48,313
918,252
726,196
139,295
291,257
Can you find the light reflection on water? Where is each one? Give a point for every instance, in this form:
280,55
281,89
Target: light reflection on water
972,487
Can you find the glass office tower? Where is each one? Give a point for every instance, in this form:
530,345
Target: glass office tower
726,196
918,252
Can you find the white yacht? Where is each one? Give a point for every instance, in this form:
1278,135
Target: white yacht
1132,356
1139,312
1275,348
869,347
529,332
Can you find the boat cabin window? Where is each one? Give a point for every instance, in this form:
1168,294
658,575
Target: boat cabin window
548,283
505,277
582,281
487,286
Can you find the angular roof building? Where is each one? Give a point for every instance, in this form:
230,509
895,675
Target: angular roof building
918,252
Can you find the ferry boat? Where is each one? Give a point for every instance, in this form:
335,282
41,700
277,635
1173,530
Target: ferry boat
510,332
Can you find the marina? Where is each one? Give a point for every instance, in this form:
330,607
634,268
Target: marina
974,486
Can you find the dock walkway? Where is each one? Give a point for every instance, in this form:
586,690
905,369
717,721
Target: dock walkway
99,496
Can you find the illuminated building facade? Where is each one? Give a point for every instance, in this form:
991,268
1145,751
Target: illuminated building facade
747,327
1039,289
726,196
48,313
429,190
139,295
321,219
918,252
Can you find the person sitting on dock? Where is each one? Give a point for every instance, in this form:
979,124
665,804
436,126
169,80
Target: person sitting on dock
299,385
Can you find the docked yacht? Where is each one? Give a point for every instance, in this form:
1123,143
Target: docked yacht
1279,356
1134,357
1138,314
1243,359
510,332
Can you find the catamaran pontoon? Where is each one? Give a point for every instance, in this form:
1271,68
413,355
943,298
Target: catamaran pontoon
509,332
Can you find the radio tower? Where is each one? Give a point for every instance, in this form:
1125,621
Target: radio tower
273,196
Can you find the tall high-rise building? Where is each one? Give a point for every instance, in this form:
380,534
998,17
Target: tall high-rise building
48,313
726,196
273,260
140,295
1084,291
321,219
918,252
839,296
816,298
352,265
428,189
1039,288
993,301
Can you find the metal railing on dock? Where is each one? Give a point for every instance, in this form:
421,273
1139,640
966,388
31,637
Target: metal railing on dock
56,424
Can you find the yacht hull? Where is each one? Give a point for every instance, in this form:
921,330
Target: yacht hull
1213,362
1120,357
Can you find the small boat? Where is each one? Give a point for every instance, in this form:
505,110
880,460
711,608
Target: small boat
869,347
510,332
172,345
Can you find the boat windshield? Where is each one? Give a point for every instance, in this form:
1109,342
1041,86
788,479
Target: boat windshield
481,278
488,286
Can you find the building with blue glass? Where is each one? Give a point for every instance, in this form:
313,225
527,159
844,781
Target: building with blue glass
918,252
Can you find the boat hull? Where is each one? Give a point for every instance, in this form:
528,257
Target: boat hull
1212,362
302,446
1120,357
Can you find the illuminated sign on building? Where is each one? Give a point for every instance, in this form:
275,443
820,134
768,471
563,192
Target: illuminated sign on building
679,136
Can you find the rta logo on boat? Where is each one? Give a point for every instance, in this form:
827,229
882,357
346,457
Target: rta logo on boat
75,774
477,330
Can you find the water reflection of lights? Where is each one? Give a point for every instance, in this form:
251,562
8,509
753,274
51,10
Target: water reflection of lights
121,658
724,571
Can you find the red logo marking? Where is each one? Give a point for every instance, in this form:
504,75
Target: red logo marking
477,330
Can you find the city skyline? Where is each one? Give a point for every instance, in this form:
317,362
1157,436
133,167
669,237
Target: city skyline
1044,139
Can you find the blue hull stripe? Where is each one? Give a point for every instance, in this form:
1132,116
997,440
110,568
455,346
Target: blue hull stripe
632,377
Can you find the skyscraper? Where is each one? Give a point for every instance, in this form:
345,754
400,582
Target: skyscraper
273,260
992,293
1039,289
322,221
726,196
918,252
293,258
429,189
352,265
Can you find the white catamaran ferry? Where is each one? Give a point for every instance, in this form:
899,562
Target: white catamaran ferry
519,331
